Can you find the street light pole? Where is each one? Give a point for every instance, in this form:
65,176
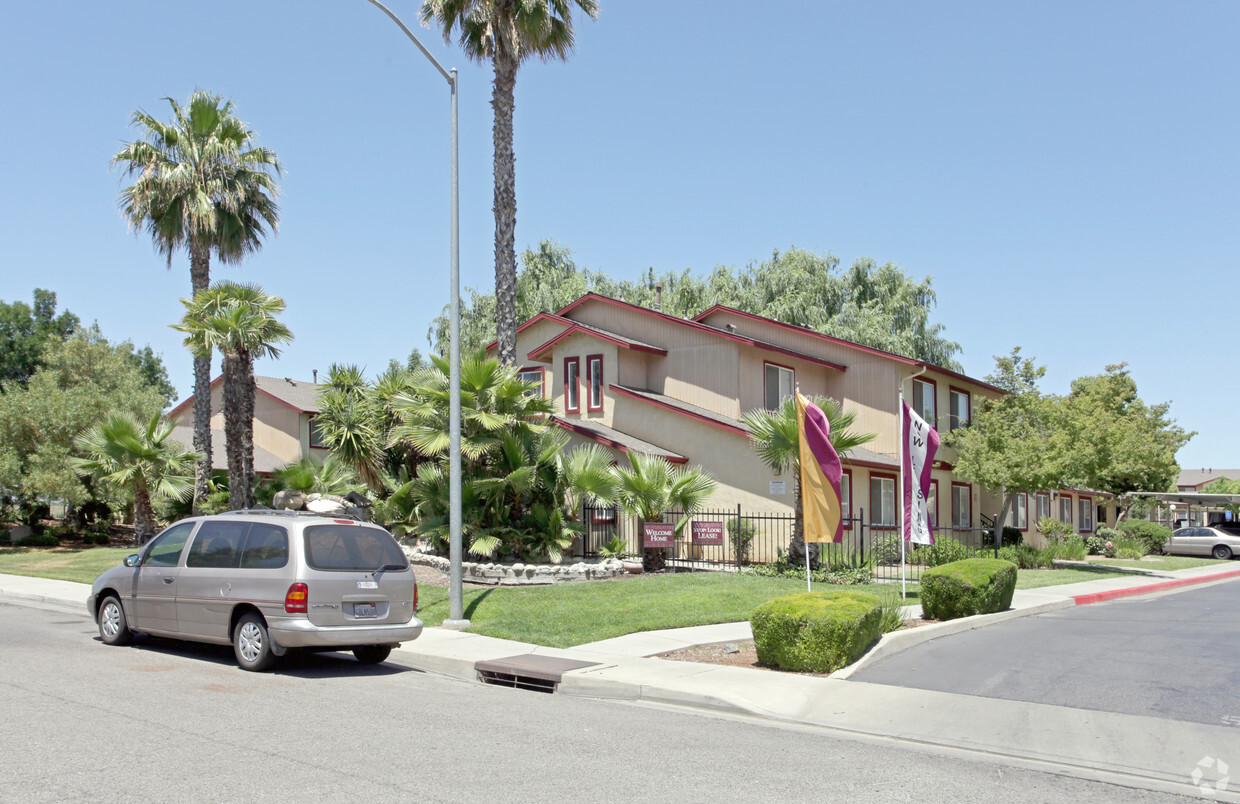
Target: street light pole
456,608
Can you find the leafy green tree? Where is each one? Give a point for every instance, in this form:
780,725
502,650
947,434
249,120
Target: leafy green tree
1118,443
775,436
1015,442
649,487
239,321
81,381
142,459
506,33
203,185
877,306
27,331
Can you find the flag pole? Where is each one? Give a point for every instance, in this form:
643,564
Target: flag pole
801,502
904,514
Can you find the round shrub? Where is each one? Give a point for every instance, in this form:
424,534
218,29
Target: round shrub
816,632
965,588
1151,534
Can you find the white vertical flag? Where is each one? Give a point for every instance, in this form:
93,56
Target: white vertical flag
921,441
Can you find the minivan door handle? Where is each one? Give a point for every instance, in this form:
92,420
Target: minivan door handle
168,580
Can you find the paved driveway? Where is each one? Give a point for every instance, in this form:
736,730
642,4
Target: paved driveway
1173,656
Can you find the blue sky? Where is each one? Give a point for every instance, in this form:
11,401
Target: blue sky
1066,172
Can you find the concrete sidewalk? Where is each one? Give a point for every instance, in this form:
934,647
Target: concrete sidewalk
1144,752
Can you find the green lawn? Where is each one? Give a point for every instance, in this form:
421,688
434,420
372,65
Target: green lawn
1158,562
81,564
567,614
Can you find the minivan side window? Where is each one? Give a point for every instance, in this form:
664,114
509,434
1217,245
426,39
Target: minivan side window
266,547
217,544
165,551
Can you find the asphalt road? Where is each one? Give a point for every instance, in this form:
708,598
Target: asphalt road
170,721
1174,656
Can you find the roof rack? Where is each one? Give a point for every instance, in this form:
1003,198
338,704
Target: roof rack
283,512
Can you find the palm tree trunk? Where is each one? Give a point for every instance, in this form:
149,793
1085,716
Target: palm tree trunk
143,514
234,420
503,103
247,426
200,278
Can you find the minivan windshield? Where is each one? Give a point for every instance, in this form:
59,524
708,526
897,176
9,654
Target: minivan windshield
351,547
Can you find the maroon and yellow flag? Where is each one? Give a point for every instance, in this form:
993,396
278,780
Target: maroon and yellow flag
820,475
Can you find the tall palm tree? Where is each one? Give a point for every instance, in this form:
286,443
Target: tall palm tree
649,486
776,438
506,33
203,185
239,321
143,459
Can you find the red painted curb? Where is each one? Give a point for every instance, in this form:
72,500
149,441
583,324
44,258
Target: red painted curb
1102,597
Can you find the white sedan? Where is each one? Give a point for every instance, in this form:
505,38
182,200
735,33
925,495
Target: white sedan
1221,544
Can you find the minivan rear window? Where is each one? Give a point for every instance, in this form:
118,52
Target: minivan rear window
350,547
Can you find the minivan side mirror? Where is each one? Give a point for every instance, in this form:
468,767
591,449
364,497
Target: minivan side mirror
131,561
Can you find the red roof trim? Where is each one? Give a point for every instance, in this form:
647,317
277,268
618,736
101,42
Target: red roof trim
537,353
540,317
604,440
660,404
693,324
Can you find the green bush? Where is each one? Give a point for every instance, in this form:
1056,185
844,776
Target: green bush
965,588
1025,557
886,550
1128,547
944,551
94,537
1151,534
1011,536
1053,529
39,540
1068,548
816,632
740,534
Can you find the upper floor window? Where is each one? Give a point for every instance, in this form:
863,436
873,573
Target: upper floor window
778,386
961,403
594,380
572,391
923,401
533,376
316,434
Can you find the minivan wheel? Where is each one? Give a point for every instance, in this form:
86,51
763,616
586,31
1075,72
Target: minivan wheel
252,644
113,629
372,654
1222,552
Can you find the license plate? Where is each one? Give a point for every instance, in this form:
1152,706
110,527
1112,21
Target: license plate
365,610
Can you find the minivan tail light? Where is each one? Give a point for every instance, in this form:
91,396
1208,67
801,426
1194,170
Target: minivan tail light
295,599
415,597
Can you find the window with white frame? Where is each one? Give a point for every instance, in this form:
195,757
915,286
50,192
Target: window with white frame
932,504
1065,510
594,380
1019,516
572,390
779,385
534,377
845,498
882,501
1044,506
923,401
961,403
1087,514
962,513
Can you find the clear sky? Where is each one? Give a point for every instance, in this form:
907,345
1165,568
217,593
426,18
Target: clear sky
1066,172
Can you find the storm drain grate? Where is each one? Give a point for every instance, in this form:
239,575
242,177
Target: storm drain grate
529,671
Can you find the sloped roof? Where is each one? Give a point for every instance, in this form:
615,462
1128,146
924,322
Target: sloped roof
300,395
611,437
679,406
264,462
1199,477
623,341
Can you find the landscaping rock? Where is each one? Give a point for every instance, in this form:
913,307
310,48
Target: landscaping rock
289,500
20,532
324,506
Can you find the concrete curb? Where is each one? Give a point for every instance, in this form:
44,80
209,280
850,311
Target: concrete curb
1102,597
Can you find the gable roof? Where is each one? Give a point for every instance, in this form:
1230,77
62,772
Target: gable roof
611,337
611,437
301,396
1200,477
700,327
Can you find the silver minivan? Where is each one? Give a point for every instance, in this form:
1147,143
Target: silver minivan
264,582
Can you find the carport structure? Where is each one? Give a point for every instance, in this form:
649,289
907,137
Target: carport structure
1206,502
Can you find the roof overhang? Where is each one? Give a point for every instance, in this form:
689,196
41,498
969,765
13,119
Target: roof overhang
1189,498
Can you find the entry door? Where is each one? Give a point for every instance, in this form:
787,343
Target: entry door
155,583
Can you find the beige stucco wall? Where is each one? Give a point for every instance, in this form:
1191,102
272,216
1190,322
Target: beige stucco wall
281,430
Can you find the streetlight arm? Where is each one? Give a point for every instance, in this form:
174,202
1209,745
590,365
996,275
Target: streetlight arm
451,81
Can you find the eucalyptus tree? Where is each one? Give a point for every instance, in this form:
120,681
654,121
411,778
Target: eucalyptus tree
239,321
775,436
202,184
506,33
143,459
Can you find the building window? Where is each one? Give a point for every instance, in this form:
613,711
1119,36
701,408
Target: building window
778,386
961,403
962,511
1019,517
932,504
923,401
316,435
1065,510
882,501
533,376
846,498
594,379
1044,506
1087,514
572,391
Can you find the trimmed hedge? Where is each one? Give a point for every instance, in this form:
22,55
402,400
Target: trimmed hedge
816,632
965,588
1152,534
